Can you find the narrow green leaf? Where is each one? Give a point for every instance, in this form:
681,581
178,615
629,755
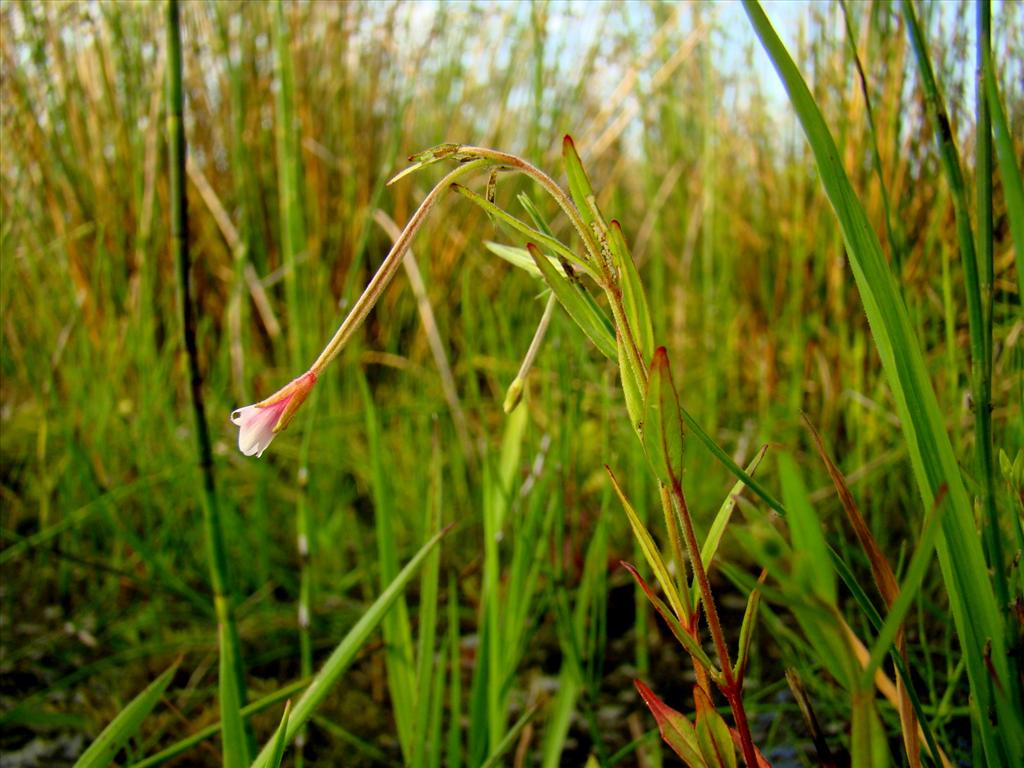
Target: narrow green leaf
675,729
453,742
430,578
101,752
531,210
183,745
718,525
399,652
559,715
509,739
634,298
685,638
868,746
919,563
347,649
651,552
524,229
579,183
663,422
520,258
594,324
234,742
977,285
713,733
747,628
811,563
632,388
726,461
1009,169
279,740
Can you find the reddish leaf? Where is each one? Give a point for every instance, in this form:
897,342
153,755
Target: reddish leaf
675,729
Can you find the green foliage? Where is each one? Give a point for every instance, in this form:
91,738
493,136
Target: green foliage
127,723
118,555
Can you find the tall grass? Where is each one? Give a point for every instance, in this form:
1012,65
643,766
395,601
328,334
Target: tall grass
231,674
516,641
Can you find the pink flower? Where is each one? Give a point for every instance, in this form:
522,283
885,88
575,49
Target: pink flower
259,423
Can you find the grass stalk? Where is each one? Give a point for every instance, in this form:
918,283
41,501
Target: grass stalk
232,681
976,614
978,306
345,652
293,242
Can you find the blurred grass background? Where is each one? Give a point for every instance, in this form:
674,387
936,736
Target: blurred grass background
683,131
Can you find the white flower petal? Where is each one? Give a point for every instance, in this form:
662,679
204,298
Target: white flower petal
255,428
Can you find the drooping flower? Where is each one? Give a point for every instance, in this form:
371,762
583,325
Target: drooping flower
259,423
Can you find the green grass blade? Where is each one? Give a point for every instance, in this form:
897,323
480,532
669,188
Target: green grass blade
346,650
961,559
509,739
978,300
915,573
279,742
520,258
735,469
535,216
232,671
233,737
1009,169
718,525
453,741
426,671
400,651
811,564
559,716
101,752
209,731
289,188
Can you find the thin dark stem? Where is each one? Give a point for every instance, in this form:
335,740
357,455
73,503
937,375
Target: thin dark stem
983,173
223,602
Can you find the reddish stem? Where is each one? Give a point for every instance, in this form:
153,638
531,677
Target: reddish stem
730,688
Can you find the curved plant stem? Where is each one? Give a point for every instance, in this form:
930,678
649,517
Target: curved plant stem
550,186
388,267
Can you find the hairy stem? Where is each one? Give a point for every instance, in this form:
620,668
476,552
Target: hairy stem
731,688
